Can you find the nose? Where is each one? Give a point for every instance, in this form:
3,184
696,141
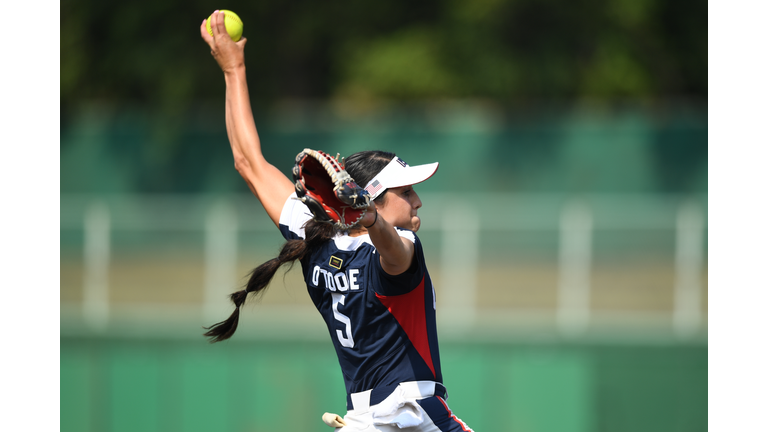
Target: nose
416,201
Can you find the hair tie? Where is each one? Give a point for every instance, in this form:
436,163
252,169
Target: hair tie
374,221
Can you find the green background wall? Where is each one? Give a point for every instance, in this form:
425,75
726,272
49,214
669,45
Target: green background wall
120,150
114,384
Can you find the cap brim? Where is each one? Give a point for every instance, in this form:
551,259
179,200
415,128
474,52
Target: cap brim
406,176
397,174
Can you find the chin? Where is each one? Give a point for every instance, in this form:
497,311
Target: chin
415,223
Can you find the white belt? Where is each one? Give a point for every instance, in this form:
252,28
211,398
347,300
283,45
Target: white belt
409,390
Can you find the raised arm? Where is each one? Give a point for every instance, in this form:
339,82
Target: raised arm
267,182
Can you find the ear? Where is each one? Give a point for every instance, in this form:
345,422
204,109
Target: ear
381,200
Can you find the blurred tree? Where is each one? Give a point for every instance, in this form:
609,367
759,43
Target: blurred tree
144,60
150,51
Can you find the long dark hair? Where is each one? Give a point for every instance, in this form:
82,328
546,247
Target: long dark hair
363,167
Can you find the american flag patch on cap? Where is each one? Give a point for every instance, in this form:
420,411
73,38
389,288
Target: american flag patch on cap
374,187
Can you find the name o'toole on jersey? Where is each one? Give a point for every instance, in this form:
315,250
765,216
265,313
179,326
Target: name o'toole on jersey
339,281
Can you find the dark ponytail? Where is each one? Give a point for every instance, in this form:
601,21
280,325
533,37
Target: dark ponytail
363,167
316,233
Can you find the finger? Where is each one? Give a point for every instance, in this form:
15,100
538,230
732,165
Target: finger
211,21
204,33
220,26
214,29
241,42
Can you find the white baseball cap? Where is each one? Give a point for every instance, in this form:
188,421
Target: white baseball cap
398,173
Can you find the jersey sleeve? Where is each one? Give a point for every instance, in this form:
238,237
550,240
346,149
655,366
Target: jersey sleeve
293,217
405,282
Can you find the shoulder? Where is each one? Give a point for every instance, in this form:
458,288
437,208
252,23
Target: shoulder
293,217
349,243
393,285
410,235
407,234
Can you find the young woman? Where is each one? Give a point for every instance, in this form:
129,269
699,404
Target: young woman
370,283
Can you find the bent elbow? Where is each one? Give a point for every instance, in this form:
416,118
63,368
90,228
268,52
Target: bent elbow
243,167
247,173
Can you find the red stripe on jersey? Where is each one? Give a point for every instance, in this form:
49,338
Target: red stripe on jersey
453,416
408,310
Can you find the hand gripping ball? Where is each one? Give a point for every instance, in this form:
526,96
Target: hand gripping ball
231,21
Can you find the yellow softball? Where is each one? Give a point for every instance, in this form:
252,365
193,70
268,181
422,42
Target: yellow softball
231,21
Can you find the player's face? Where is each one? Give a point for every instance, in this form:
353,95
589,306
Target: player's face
400,208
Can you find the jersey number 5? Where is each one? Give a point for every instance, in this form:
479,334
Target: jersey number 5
346,341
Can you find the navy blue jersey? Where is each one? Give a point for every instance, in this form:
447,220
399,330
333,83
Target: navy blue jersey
382,326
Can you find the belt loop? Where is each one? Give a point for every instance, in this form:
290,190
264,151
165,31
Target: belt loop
426,388
361,401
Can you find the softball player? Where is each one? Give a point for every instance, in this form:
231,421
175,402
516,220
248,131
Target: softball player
370,284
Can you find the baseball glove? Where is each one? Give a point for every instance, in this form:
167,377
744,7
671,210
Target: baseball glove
328,191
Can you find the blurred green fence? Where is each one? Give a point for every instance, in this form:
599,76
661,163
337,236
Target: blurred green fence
481,148
113,384
503,261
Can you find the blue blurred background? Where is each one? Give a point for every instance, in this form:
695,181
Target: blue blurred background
565,231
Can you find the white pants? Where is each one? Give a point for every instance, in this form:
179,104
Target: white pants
399,412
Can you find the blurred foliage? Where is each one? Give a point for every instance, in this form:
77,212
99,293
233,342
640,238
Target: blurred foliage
150,52
142,99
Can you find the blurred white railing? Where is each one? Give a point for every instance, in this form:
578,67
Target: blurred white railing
464,218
